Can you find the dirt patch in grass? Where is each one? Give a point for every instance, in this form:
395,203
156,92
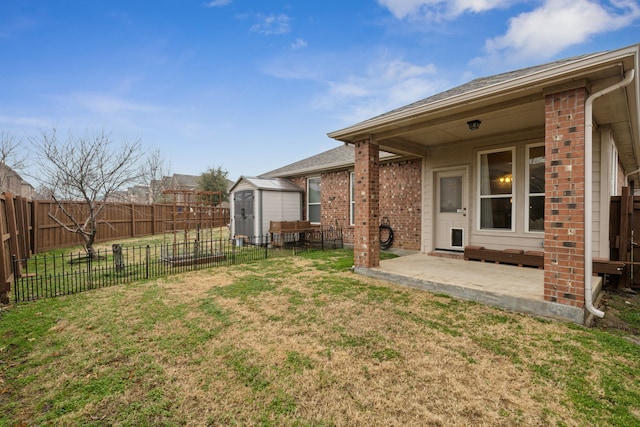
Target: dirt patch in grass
622,313
300,341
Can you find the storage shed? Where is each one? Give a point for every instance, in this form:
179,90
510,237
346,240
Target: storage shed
257,201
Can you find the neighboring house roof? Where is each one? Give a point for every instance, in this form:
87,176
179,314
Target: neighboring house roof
12,182
336,158
186,181
270,184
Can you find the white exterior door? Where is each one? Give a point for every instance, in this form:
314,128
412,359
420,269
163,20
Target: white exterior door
451,199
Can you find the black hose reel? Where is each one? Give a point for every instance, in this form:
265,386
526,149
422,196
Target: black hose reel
385,233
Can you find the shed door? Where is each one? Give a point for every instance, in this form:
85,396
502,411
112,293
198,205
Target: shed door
243,213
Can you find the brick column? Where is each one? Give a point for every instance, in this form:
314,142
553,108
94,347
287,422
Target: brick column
366,242
564,192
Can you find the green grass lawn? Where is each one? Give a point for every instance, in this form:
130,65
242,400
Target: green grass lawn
303,341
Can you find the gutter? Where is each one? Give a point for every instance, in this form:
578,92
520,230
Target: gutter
588,195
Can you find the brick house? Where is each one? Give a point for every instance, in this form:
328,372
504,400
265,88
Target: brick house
331,175
506,162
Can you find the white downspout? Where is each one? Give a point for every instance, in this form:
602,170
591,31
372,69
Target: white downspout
588,184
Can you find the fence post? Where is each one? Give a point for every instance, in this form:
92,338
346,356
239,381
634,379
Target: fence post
147,261
90,269
12,227
266,246
6,266
118,259
35,226
132,209
153,219
14,264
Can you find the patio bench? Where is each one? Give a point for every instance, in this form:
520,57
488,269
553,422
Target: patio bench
517,257
535,259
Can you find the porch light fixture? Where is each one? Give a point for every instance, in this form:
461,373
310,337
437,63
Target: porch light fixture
474,124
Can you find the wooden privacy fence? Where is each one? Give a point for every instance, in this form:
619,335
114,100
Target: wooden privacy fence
15,228
624,235
27,228
121,221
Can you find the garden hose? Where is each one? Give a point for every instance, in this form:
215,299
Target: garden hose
385,234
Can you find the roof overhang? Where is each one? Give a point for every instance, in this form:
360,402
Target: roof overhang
513,108
324,167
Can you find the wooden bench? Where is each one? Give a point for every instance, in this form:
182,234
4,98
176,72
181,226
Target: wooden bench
535,259
517,257
280,229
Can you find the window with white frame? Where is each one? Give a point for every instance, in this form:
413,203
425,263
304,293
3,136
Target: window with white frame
313,200
496,180
352,199
535,187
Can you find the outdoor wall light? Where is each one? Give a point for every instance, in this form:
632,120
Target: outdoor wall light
474,124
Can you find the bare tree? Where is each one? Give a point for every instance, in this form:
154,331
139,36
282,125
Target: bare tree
11,160
154,170
85,169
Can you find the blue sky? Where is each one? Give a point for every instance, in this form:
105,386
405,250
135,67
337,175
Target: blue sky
251,86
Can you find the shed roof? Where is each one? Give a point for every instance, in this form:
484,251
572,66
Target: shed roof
269,184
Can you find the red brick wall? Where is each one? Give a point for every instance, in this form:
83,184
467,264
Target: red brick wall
564,188
366,246
400,201
335,202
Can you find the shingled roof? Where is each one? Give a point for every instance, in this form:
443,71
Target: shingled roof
480,83
336,158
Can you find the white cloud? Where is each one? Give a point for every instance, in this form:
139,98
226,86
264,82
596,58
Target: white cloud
110,105
384,86
557,25
105,105
273,24
298,44
25,121
379,85
288,70
348,90
434,10
218,3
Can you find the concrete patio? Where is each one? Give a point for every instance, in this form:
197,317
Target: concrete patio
514,288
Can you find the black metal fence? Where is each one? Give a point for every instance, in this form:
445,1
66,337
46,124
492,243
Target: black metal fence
46,276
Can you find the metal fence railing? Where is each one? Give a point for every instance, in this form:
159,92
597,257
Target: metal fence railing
46,276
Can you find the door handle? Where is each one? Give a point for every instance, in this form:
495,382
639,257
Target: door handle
463,211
